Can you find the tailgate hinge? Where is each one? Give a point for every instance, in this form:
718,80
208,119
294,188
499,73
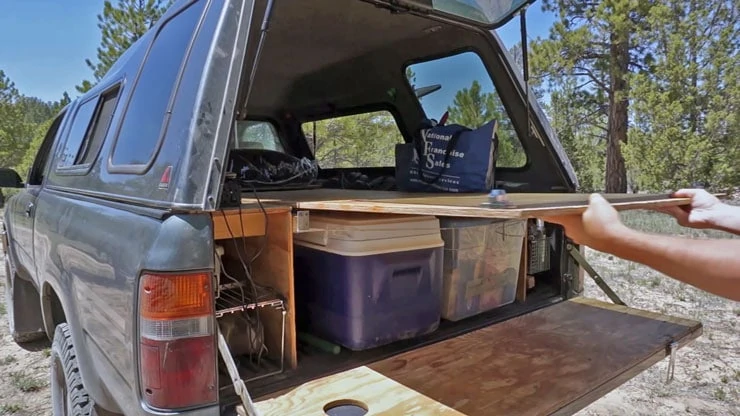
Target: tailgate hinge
578,257
672,347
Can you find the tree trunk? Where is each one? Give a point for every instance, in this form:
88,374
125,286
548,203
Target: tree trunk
616,172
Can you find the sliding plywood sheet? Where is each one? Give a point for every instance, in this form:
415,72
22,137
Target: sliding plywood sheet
520,205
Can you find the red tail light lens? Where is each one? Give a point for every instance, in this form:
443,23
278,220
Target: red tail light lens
177,343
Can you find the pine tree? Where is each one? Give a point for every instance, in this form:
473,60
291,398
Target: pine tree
597,44
121,25
472,108
687,104
581,132
15,129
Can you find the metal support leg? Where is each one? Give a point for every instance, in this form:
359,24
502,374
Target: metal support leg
595,276
239,386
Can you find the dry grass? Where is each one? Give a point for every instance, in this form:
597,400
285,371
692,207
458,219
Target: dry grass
10,408
26,382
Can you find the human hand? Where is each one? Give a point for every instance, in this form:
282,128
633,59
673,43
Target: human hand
597,227
704,210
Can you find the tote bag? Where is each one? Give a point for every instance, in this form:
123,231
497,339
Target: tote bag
451,158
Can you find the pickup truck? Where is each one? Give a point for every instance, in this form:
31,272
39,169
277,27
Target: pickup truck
130,232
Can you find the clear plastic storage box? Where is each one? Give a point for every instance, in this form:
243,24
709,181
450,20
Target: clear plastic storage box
481,264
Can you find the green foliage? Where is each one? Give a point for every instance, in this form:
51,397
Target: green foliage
35,110
121,25
581,133
15,129
473,108
687,104
594,45
23,123
38,136
361,140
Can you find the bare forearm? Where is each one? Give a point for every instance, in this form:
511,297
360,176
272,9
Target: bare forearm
729,219
710,265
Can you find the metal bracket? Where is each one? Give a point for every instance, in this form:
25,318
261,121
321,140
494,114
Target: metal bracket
672,347
301,222
578,257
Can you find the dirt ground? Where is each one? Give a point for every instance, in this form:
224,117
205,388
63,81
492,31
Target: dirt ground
707,373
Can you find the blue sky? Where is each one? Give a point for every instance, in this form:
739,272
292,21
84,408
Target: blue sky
46,59
458,72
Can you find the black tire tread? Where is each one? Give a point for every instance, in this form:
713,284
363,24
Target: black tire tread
80,401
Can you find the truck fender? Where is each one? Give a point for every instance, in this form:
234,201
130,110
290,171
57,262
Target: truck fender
25,317
55,312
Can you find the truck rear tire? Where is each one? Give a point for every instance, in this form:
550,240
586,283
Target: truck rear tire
68,395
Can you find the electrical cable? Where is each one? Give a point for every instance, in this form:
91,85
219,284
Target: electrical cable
258,324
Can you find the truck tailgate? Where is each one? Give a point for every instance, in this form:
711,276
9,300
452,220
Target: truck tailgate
554,360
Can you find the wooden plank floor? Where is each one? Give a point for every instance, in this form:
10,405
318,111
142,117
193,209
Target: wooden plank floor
521,205
361,386
552,361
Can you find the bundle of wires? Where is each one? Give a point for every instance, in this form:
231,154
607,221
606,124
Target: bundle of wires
254,292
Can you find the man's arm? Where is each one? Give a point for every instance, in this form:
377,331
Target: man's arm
710,265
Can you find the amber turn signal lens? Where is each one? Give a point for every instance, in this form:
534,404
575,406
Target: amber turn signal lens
175,296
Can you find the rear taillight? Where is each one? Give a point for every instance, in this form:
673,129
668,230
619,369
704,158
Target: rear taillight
177,345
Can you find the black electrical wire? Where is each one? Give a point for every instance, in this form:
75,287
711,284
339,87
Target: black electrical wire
258,324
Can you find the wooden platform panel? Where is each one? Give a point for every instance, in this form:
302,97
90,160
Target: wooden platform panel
553,361
521,205
379,395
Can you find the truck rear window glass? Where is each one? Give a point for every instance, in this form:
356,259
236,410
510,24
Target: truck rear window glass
89,151
77,133
252,134
355,141
461,85
141,129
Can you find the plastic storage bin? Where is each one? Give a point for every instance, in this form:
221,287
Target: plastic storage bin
481,264
368,280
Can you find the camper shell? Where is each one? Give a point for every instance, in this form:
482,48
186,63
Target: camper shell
133,241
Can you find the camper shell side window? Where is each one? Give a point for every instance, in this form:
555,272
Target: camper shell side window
147,111
88,130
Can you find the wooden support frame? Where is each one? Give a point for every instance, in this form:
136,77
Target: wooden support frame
273,267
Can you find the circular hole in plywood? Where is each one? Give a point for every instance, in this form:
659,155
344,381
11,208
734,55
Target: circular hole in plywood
345,407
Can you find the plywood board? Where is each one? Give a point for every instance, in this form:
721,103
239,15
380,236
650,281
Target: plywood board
521,205
379,394
555,360
244,222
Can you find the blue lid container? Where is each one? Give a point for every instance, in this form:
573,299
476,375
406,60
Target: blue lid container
369,280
